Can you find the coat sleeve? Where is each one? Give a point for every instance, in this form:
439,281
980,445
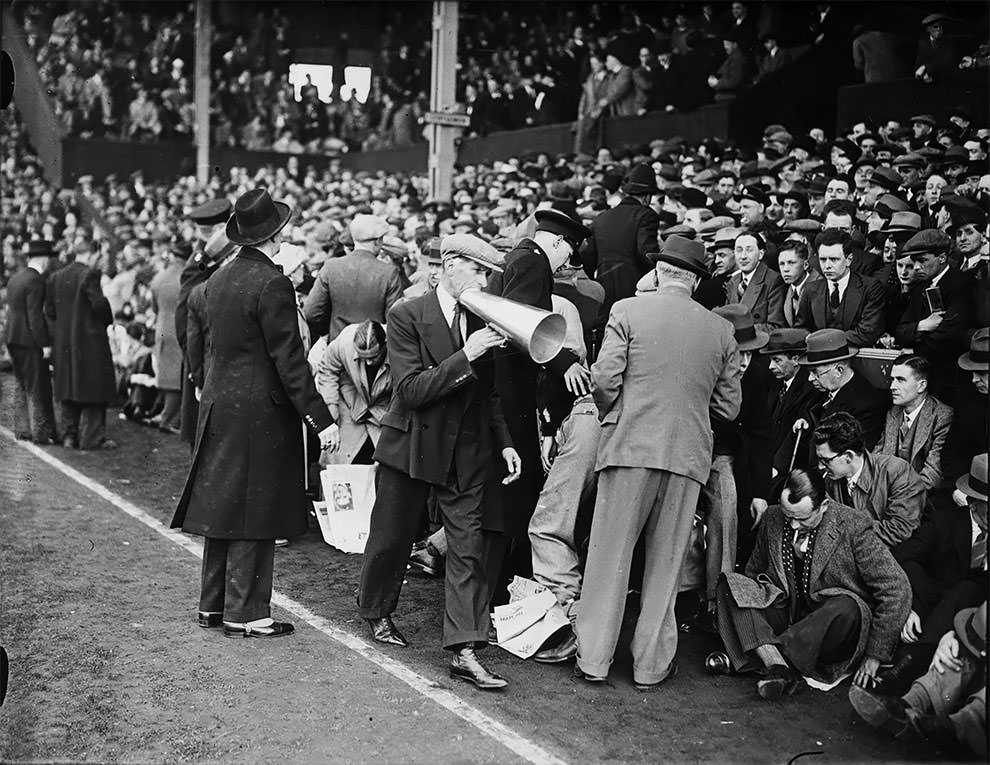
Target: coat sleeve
931,471
523,284
727,395
393,291
905,498
608,370
890,590
499,427
35,303
415,383
280,327
776,291
647,241
589,256
328,377
93,295
871,320
316,309
195,340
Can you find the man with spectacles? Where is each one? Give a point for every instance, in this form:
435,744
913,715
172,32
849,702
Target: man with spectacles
829,359
882,485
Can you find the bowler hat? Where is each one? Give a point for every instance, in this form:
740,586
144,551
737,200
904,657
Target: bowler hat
977,359
974,483
641,180
786,340
748,337
257,218
39,248
826,346
930,240
686,254
970,624
563,219
473,248
211,213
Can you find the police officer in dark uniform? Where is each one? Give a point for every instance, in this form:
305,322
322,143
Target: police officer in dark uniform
209,218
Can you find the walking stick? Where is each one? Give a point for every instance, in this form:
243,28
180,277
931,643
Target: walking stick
797,443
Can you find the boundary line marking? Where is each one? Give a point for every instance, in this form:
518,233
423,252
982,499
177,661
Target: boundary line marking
515,742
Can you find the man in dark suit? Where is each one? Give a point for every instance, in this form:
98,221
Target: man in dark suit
789,400
828,358
245,486
843,299
917,424
357,286
755,285
27,339
210,250
78,316
937,320
624,239
444,432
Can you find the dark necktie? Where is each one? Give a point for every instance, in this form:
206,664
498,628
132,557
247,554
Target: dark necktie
833,296
904,429
742,288
455,327
795,301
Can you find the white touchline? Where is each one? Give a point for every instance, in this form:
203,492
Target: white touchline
517,743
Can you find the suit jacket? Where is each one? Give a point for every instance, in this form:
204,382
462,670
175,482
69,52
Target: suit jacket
26,325
246,480
165,297
889,491
787,406
924,441
939,553
790,310
967,435
764,296
944,344
342,380
861,400
349,290
848,559
445,419
620,92
667,365
78,316
733,74
620,249
860,314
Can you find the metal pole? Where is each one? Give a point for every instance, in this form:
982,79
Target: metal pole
204,37
443,84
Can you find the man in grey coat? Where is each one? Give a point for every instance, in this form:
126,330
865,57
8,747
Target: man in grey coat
666,366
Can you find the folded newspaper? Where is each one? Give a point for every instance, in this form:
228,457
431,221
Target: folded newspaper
530,617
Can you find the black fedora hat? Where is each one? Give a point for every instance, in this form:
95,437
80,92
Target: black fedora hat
39,248
257,217
641,180
686,254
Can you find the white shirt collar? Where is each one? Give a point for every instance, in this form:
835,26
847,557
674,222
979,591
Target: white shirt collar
798,286
854,479
938,278
788,383
447,304
842,284
910,417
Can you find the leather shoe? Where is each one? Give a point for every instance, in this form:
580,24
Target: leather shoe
209,621
275,629
565,650
671,673
780,681
887,712
910,665
465,666
424,560
386,632
580,673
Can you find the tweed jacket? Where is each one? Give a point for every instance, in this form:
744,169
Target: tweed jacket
342,380
764,297
924,441
889,491
860,314
848,559
667,366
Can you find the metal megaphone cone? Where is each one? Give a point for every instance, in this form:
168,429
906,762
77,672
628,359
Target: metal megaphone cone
218,246
537,332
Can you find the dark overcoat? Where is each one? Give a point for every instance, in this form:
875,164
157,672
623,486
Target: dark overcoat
196,271
26,325
246,480
78,316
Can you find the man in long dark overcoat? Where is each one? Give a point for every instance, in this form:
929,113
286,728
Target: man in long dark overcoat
245,485
79,314
27,338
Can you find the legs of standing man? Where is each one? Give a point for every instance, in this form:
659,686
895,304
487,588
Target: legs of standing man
172,408
237,579
71,412
84,425
34,412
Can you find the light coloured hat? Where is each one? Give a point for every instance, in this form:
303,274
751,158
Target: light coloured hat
473,248
368,228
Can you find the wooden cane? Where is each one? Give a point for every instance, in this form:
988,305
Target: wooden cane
797,443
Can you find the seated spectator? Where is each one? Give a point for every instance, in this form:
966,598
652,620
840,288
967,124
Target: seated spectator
144,122
843,299
884,487
821,595
795,269
917,424
946,706
757,287
968,434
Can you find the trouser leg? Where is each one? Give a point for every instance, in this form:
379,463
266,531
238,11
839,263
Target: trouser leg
214,576
941,693
667,535
466,588
625,499
828,635
970,723
248,584
718,502
172,408
70,411
744,629
92,425
22,419
400,504
551,529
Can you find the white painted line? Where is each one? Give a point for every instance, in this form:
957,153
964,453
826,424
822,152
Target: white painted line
515,742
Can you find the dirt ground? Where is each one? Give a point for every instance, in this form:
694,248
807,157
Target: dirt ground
107,663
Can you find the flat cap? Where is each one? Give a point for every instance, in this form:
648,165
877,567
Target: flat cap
368,228
928,119
473,248
930,240
911,159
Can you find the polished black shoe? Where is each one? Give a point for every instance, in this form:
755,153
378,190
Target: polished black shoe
386,632
275,629
671,674
887,712
565,650
426,560
780,681
465,666
209,621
